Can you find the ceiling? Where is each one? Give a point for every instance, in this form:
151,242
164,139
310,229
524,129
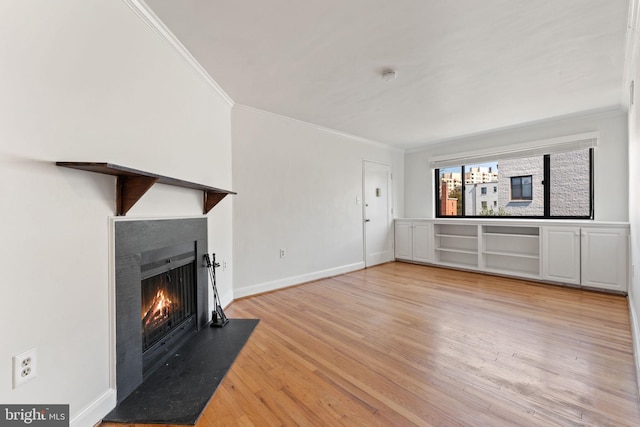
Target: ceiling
463,67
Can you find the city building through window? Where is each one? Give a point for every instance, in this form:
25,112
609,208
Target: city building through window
556,185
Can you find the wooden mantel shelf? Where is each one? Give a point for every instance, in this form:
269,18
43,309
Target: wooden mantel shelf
133,183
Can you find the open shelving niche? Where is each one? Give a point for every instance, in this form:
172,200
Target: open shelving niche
511,250
456,245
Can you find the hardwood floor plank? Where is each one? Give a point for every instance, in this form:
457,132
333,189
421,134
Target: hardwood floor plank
402,344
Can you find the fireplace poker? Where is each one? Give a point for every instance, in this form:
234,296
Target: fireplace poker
218,318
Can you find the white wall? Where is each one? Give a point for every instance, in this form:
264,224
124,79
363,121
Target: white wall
611,165
634,203
297,189
89,81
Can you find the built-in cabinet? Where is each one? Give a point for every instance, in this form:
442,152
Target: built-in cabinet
588,254
596,257
413,241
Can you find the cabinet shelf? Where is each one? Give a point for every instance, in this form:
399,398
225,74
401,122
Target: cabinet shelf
132,184
511,254
457,236
458,251
515,236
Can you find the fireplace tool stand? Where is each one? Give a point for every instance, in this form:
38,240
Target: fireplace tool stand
218,319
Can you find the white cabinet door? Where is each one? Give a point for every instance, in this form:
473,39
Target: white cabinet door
422,242
403,240
561,254
605,258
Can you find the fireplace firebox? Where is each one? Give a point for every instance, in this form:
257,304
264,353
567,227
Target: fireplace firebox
168,300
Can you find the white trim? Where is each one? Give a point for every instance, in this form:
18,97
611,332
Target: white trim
319,128
295,280
360,139
635,331
153,218
92,414
226,299
631,41
592,115
147,15
524,149
111,303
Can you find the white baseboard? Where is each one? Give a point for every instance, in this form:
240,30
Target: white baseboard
226,299
635,336
93,414
295,280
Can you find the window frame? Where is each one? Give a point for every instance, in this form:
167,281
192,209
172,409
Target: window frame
522,198
546,195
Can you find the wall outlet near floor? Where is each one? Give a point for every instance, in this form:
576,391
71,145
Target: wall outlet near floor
24,367
282,253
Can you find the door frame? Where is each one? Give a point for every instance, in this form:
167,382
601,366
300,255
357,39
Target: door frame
389,202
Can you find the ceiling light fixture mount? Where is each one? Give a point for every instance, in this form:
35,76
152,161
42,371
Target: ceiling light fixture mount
388,75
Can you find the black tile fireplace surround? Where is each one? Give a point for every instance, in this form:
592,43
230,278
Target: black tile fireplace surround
134,240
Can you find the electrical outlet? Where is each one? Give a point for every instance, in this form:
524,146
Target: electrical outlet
24,367
282,253
224,265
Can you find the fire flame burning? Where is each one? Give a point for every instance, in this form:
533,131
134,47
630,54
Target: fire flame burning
159,309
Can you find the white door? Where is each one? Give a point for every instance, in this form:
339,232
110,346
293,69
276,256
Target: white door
378,215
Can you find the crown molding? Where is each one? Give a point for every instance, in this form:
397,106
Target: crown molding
596,114
354,138
145,13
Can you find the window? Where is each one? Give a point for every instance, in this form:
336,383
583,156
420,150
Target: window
521,188
556,185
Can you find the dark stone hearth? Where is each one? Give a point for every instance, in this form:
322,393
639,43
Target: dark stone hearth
178,391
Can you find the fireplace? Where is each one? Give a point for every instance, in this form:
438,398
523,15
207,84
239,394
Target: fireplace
161,293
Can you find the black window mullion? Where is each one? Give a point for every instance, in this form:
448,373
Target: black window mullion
591,214
546,182
437,193
462,193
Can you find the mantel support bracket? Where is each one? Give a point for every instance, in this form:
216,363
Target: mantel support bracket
129,190
211,199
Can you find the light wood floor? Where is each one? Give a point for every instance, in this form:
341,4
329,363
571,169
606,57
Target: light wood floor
402,344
